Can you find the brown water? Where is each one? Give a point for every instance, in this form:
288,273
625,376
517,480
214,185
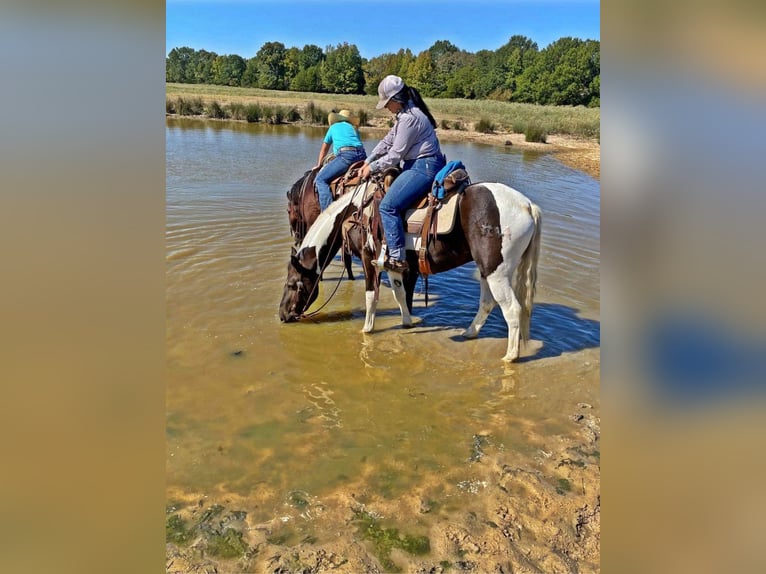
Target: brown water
266,414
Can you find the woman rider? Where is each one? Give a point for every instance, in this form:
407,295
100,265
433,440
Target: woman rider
412,145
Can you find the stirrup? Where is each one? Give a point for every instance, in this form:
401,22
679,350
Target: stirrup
396,266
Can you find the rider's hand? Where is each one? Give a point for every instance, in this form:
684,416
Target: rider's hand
365,171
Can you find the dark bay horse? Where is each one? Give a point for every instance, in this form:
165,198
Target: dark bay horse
303,209
497,227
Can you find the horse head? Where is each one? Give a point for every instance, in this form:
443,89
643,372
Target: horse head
301,285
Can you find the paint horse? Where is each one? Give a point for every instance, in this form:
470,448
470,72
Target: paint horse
303,209
496,226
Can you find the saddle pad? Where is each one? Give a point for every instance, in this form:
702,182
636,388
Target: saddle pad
445,221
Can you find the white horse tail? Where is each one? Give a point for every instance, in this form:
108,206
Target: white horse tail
526,277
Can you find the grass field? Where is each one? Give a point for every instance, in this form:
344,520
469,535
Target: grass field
450,113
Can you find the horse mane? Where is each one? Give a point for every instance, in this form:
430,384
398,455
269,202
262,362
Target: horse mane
321,230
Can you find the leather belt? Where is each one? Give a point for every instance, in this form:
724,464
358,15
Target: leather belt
349,148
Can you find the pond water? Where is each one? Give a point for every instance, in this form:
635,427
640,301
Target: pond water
258,411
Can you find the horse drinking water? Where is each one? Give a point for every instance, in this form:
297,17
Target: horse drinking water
496,226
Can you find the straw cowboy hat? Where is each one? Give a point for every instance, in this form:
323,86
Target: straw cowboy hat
343,116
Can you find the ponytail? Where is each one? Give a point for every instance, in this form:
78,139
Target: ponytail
419,103
411,94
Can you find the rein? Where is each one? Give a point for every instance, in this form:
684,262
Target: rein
321,270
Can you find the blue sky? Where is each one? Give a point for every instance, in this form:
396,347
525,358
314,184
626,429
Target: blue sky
376,27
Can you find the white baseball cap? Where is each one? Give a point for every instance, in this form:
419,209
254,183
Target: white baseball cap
387,88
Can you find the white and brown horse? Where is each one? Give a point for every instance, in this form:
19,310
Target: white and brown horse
497,227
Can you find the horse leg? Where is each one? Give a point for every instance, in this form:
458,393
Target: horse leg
486,304
371,292
503,293
400,296
347,263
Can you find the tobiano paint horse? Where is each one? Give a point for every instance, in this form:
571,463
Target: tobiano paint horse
497,227
303,209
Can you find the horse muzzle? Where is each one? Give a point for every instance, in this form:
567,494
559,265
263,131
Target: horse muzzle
289,316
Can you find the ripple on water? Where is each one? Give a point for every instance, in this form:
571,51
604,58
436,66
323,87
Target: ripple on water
307,411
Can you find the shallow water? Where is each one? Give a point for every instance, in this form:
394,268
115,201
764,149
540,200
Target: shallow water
261,410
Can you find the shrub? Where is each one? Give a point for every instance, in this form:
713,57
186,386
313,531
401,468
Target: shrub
182,107
277,117
444,124
363,117
170,107
485,126
519,127
458,125
215,110
253,113
293,115
314,114
535,133
267,113
237,111
191,107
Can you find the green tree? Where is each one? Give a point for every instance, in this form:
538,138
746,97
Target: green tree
250,75
271,66
490,74
311,56
202,67
292,64
178,65
227,70
342,71
461,83
446,59
422,74
307,80
563,74
386,64
515,57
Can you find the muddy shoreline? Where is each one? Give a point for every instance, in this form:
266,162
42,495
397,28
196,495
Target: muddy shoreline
532,512
578,153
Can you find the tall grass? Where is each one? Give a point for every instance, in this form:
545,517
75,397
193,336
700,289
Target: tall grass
485,126
314,114
506,116
214,110
535,133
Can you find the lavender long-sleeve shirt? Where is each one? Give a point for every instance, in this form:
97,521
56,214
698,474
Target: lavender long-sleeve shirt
411,137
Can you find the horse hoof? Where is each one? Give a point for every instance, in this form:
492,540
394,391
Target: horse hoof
469,334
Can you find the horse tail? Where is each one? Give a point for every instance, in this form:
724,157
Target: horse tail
526,278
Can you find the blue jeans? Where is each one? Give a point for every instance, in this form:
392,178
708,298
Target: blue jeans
413,183
338,166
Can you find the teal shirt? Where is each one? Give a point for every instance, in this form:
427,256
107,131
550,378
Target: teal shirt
342,134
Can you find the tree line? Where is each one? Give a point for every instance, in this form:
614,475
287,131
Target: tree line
566,72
